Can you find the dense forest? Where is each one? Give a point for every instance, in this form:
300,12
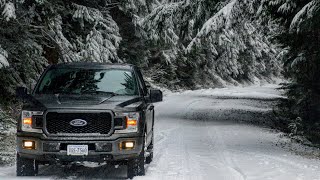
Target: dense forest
300,36
177,43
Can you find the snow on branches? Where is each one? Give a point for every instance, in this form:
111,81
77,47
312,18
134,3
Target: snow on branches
235,44
67,51
160,25
223,38
8,10
98,41
307,13
222,19
3,58
103,40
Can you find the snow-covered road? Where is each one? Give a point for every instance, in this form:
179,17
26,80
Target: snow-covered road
209,134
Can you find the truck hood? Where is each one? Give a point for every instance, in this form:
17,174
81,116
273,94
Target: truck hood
87,102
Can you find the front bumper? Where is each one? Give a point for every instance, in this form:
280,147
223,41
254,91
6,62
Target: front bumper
99,150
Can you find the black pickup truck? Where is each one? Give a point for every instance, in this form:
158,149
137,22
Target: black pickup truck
87,112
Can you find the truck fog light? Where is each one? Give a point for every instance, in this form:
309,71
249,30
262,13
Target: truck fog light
127,145
27,144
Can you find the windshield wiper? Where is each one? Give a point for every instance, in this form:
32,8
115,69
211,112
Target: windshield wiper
112,94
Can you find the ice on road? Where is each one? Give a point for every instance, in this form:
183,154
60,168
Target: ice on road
210,134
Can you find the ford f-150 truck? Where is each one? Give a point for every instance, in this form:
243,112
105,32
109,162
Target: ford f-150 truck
87,112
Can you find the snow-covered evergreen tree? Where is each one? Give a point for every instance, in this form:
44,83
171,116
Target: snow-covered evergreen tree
300,22
20,52
35,33
97,38
221,41
8,10
7,13
235,45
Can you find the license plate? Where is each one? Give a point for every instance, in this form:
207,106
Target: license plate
77,150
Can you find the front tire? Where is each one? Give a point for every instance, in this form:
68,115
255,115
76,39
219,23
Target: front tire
150,151
26,167
135,167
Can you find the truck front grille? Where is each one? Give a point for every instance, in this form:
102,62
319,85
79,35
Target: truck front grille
97,123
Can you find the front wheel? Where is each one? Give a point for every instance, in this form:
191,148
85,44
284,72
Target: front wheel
135,167
26,167
149,158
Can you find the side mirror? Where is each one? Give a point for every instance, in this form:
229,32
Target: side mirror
21,92
155,95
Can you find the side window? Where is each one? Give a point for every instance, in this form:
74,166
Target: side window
141,82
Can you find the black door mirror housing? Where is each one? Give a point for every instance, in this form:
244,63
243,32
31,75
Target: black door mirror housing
155,95
21,92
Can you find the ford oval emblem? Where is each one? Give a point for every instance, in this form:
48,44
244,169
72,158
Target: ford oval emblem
78,122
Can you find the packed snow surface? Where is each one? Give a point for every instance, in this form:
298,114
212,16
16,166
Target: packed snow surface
208,134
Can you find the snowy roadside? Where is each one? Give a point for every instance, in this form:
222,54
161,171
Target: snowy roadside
265,92
7,140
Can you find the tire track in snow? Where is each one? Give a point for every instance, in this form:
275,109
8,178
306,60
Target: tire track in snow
218,146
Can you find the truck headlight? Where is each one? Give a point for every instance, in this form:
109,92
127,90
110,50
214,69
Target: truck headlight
131,122
27,121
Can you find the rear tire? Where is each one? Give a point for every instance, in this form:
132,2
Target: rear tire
26,167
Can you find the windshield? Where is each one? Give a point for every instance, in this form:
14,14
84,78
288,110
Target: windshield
88,81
